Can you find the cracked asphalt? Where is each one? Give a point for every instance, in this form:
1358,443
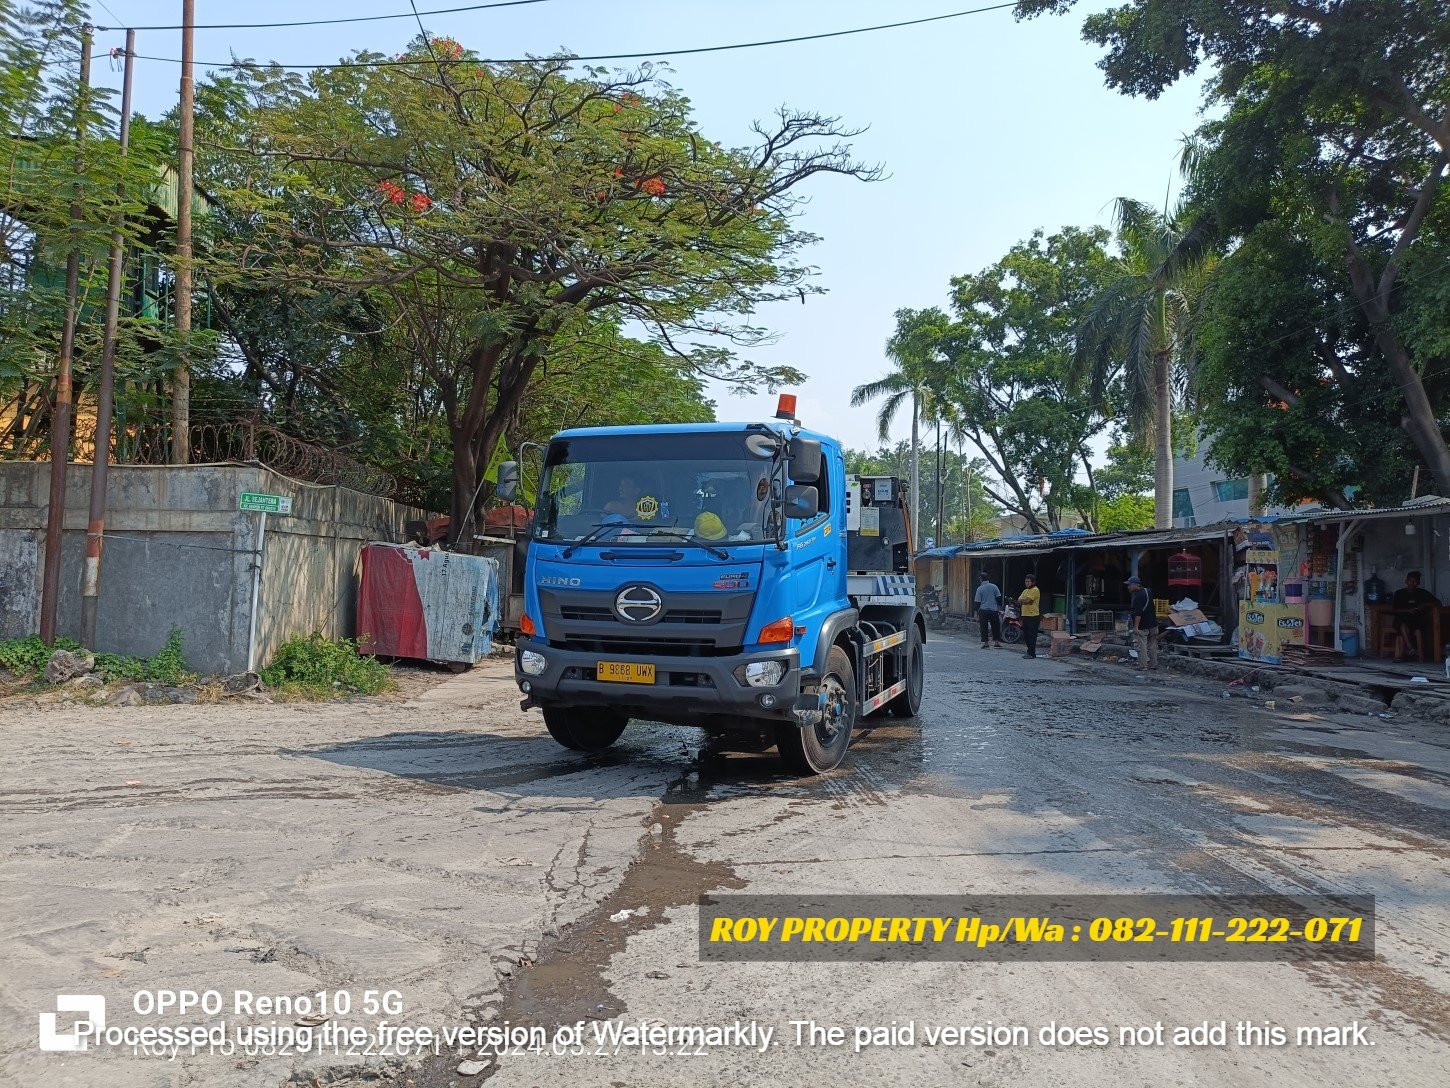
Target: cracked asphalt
446,849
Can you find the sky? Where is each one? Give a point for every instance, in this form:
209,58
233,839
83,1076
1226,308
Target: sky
987,128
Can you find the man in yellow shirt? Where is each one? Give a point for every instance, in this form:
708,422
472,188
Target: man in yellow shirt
1029,607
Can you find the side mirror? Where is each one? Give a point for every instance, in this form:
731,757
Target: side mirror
805,460
802,502
508,480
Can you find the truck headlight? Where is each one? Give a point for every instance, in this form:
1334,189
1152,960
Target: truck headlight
764,674
532,663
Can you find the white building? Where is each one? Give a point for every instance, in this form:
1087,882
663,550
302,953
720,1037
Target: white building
1204,495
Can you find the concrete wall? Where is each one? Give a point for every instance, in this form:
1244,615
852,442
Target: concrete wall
179,553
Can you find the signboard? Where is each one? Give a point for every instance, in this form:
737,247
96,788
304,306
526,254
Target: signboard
871,522
1265,629
255,503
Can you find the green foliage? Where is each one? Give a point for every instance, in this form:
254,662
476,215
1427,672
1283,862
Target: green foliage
1326,165
29,655
166,666
321,668
1011,388
492,222
1125,512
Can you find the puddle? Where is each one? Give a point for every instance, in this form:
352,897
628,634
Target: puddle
566,982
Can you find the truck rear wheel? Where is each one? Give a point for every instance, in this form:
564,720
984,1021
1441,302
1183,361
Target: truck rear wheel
818,748
584,728
908,702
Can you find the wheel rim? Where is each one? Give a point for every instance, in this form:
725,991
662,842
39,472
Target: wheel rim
833,710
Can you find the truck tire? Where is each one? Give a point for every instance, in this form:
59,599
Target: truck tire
584,728
815,749
908,702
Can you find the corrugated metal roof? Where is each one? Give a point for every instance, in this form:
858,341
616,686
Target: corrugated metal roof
1415,508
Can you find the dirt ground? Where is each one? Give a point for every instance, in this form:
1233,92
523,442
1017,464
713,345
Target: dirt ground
434,850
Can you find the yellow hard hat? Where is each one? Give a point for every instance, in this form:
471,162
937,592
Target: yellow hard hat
709,526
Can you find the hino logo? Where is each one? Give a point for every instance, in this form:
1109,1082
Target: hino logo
638,604
560,580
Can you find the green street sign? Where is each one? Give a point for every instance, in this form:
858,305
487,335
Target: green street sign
254,503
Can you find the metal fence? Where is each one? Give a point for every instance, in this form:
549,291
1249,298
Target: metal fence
240,441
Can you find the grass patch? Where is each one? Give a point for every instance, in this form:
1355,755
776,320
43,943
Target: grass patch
27,657
314,667
167,666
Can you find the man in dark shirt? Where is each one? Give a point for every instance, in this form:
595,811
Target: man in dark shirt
1412,611
1143,622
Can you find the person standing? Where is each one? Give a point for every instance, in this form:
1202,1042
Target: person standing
1143,618
988,603
1029,608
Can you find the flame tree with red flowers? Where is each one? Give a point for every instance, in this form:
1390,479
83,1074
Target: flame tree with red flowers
498,214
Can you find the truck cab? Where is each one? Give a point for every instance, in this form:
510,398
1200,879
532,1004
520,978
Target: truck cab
698,575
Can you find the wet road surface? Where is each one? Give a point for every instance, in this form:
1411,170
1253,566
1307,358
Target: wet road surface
446,847
1028,776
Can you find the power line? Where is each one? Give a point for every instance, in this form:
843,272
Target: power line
324,22
604,56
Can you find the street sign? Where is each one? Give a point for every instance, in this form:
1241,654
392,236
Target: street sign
255,503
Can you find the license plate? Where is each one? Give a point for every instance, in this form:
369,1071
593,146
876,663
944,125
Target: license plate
625,672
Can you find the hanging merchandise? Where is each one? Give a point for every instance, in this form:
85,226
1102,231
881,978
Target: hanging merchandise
1185,571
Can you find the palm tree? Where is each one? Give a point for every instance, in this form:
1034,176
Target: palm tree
1140,327
917,377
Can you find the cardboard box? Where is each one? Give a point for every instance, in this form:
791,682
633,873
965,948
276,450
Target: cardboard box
1052,621
1187,619
1061,644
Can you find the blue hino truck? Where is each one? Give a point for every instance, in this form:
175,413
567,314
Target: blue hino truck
727,576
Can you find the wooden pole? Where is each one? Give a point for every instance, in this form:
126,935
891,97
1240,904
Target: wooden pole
105,399
60,425
181,377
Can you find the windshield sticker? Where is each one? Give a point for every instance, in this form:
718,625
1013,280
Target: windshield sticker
647,508
762,489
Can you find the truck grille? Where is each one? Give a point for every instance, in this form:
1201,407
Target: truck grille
693,623
604,615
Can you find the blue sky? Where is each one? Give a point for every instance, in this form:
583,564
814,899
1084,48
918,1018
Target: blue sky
988,128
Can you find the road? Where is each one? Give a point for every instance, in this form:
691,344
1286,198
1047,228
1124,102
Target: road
430,846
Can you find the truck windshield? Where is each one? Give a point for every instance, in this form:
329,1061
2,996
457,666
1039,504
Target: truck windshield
651,488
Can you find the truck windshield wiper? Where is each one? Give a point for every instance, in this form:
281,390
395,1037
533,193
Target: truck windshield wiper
675,534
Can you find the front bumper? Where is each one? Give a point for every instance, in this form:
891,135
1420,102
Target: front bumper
685,688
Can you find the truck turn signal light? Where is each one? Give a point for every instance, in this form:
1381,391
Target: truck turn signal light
782,630
526,626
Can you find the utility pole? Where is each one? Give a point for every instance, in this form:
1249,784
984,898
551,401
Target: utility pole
105,399
60,420
940,491
181,377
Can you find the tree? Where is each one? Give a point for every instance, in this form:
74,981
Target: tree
1011,387
60,195
1336,130
919,376
502,210
1138,328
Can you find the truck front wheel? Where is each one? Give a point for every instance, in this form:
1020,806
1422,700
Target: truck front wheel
818,748
584,728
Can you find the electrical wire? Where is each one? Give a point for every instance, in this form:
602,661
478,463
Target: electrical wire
325,22
605,56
